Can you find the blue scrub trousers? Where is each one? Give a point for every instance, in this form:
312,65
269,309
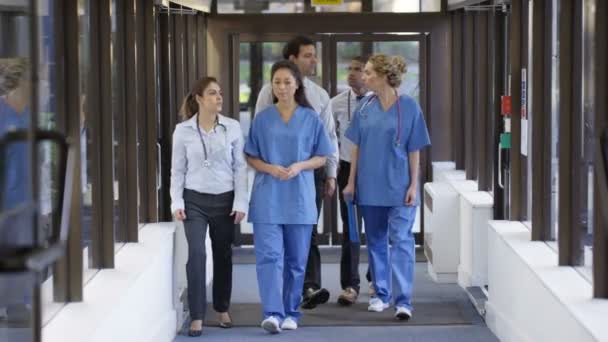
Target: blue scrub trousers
398,265
281,252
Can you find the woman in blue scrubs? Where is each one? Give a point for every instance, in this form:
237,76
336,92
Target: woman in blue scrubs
286,143
388,131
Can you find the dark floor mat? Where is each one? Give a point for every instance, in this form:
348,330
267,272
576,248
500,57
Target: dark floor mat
440,313
331,255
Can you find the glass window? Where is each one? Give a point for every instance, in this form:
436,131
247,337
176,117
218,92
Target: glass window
588,151
410,50
16,220
86,157
402,6
345,51
248,6
48,152
430,5
526,122
352,6
118,108
554,120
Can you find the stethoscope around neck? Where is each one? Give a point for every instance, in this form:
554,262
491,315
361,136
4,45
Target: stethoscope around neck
372,99
206,162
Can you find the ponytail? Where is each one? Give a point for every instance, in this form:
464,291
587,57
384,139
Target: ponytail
189,105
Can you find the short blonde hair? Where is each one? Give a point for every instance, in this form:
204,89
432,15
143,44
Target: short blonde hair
12,73
393,67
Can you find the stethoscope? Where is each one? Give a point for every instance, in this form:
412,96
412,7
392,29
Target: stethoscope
364,115
206,162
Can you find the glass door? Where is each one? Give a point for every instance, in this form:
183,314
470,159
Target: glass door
254,54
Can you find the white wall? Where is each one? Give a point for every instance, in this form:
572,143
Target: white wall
531,299
136,301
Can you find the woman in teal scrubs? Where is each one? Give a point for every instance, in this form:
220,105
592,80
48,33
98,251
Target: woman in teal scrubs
286,143
388,131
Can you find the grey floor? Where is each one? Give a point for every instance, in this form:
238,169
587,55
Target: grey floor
245,290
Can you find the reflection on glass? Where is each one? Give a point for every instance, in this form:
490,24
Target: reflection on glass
16,223
85,136
16,314
117,107
47,119
588,129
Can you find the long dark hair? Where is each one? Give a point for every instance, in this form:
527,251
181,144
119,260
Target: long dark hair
299,96
189,105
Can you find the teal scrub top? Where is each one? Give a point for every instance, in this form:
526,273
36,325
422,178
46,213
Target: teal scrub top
275,201
383,172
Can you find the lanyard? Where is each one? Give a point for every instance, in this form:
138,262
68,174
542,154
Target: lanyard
371,99
348,104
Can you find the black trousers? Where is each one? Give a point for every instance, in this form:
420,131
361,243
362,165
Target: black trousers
312,278
349,261
204,210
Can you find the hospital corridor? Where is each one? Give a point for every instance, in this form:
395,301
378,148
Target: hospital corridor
303,170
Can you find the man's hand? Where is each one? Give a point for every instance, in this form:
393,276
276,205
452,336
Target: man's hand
330,186
238,216
180,214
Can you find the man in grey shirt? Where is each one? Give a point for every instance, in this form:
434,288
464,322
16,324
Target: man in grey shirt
302,52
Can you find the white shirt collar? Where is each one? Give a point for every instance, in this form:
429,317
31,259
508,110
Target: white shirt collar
192,121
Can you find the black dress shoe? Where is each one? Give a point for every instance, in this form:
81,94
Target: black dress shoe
195,333
312,298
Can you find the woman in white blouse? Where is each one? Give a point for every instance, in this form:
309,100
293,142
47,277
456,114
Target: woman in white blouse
208,188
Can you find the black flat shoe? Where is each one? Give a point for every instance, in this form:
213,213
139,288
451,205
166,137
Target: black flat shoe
195,333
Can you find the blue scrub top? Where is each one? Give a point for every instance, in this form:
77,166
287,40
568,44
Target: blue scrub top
383,171
16,166
275,201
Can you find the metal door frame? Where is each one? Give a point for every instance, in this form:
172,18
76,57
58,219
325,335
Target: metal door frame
329,81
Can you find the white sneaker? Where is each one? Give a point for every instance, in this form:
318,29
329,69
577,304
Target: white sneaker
289,324
271,324
403,314
376,304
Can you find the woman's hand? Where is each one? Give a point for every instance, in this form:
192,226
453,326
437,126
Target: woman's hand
294,170
277,171
349,191
180,214
410,196
238,216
